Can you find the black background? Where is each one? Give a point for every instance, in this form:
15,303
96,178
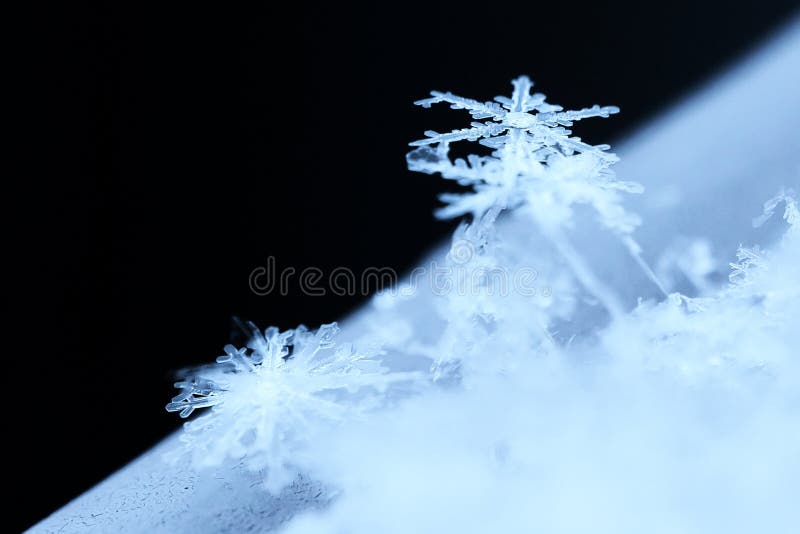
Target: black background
170,150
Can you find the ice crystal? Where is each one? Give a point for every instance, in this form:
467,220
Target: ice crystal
531,142
752,260
791,212
524,118
749,258
269,398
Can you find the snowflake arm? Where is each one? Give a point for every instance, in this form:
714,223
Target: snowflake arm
567,117
458,204
478,110
478,131
195,393
431,161
574,144
520,97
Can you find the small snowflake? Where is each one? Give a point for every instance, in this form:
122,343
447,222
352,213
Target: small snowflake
269,398
791,212
750,259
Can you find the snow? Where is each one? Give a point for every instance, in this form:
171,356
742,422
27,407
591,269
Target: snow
669,414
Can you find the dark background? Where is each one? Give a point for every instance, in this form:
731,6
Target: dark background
168,151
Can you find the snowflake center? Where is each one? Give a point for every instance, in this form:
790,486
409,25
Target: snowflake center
519,119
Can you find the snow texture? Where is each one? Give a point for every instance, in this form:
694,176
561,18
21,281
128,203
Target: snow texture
152,496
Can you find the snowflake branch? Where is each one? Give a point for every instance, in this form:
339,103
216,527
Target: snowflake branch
478,110
477,131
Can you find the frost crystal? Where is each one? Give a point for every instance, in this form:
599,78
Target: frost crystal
791,212
525,118
269,398
749,258
531,145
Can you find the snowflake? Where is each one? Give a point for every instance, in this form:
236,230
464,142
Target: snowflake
535,160
749,259
269,398
513,120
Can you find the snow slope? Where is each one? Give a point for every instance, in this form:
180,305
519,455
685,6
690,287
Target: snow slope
697,162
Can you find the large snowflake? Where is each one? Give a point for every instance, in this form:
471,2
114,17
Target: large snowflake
536,160
523,117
